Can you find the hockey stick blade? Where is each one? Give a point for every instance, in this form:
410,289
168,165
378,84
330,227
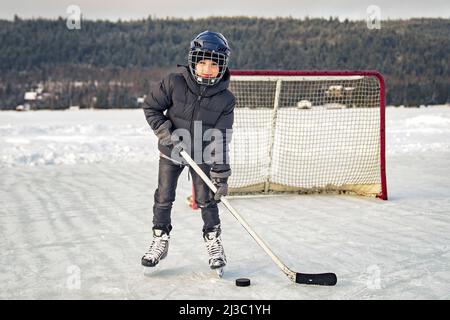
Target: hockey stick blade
321,279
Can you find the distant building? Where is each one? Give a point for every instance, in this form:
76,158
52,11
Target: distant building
23,107
140,100
30,96
30,99
304,104
339,91
35,99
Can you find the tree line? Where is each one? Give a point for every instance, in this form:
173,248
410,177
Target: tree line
109,64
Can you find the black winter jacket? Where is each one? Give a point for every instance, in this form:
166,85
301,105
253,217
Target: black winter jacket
180,99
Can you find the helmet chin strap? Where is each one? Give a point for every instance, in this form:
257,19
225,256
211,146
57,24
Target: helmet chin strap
206,81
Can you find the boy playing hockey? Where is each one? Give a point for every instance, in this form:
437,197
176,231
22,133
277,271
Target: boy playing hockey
196,100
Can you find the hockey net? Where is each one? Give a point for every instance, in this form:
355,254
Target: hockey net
308,132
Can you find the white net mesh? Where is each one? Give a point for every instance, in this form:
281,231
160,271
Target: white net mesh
306,134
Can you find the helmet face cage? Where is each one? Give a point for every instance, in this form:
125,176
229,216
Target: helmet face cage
198,55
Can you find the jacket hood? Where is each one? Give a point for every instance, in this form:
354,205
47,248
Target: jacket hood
196,88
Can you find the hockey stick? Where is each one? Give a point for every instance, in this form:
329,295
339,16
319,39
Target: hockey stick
324,279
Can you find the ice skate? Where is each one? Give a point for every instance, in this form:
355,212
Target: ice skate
158,249
217,258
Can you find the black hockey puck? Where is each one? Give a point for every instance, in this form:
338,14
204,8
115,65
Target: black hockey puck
242,282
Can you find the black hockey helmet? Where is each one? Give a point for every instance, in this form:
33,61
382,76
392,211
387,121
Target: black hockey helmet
209,45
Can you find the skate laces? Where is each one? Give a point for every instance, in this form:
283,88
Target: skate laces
157,247
214,246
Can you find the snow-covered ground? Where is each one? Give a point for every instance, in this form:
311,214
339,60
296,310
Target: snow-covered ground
76,196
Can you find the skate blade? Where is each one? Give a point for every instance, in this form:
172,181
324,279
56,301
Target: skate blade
219,272
150,270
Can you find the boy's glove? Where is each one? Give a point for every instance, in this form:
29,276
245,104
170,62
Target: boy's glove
164,134
220,179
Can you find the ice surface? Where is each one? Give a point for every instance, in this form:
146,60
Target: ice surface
75,218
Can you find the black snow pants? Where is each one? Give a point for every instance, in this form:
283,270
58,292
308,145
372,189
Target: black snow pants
168,174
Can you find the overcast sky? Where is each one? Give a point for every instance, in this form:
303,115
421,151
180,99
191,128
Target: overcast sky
136,9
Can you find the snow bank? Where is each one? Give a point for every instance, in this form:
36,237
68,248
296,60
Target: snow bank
418,130
62,137
92,136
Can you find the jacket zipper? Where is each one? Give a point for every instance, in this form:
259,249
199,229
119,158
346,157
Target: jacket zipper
196,104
